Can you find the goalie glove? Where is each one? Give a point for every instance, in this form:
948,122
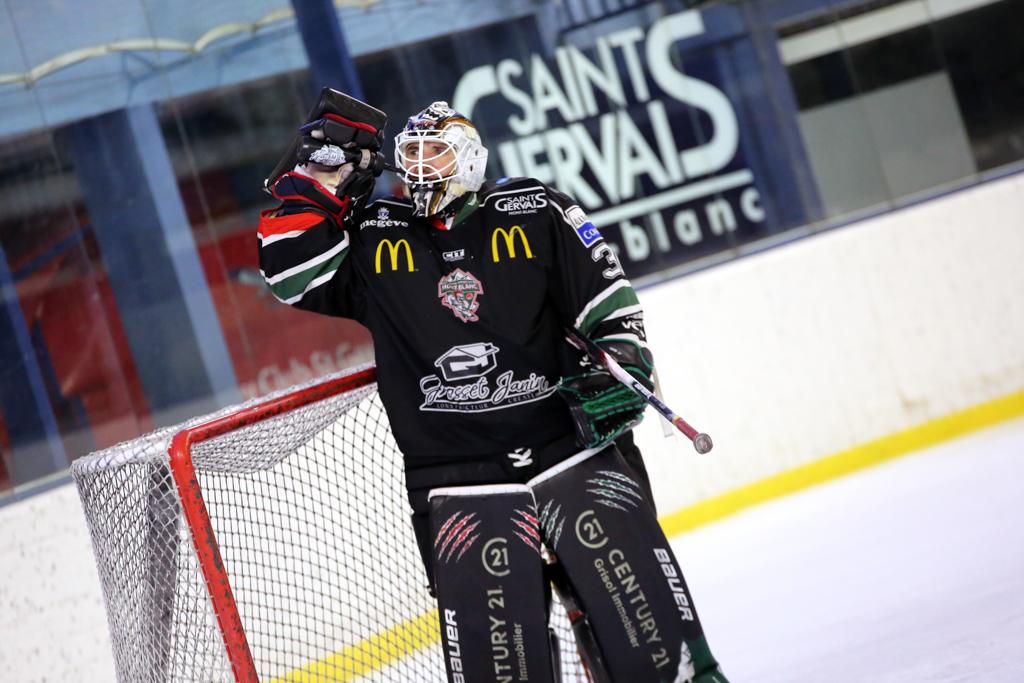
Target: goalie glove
338,147
602,408
334,168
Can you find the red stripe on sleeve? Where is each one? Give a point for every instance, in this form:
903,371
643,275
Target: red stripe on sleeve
275,225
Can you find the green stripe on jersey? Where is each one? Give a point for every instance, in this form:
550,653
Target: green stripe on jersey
471,205
623,297
296,284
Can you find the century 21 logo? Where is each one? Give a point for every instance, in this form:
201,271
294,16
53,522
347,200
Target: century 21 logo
509,236
393,250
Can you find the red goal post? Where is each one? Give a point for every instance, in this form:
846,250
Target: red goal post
267,542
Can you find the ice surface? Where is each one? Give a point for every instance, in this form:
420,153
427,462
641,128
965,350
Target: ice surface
909,571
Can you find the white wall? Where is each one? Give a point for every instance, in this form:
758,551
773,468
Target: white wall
800,352
783,358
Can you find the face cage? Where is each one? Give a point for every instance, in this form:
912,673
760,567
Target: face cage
415,170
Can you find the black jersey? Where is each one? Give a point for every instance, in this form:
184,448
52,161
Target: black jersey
467,313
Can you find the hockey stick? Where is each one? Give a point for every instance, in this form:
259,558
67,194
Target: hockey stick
701,441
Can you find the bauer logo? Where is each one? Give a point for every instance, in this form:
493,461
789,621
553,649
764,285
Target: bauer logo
453,646
675,583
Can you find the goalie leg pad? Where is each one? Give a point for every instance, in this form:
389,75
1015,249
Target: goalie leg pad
596,519
490,585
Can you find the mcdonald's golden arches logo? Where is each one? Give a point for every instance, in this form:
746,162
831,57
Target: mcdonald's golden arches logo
393,251
509,236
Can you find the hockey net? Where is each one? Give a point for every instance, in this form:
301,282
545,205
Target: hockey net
270,541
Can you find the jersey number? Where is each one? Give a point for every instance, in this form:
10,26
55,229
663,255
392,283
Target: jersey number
604,251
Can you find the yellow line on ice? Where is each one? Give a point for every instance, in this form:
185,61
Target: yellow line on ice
845,462
375,652
387,647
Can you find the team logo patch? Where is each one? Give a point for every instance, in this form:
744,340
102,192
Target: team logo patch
461,291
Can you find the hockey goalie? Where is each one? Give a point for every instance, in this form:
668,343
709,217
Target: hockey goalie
520,466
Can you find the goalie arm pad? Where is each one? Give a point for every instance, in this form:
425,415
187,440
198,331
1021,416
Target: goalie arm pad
304,259
602,408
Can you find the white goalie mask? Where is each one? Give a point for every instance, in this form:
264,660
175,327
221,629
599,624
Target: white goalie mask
441,157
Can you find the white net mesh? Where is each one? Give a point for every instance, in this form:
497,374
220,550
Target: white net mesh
309,512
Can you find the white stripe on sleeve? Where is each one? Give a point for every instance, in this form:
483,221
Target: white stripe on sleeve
311,286
315,261
607,292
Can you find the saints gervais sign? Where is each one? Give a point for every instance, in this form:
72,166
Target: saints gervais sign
596,132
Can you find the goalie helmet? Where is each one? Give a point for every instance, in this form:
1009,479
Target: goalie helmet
441,157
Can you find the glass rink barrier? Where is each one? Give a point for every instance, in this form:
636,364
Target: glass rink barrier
132,160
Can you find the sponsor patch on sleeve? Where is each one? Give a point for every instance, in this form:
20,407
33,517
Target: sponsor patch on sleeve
585,230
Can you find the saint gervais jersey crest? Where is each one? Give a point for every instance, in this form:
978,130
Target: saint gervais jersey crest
460,291
516,204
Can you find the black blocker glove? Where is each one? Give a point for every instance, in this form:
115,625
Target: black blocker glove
602,408
339,147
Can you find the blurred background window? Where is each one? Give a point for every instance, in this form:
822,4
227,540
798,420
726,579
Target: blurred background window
134,143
